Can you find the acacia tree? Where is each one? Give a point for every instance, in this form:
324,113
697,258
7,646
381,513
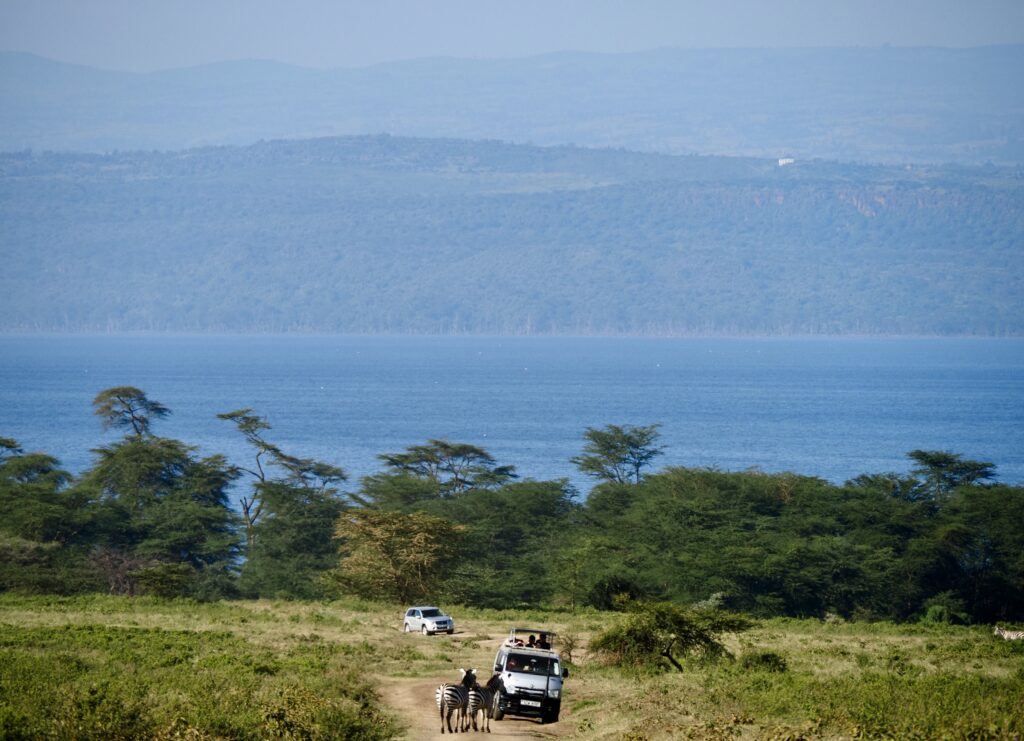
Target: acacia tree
944,471
391,555
618,453
303,473
127,406
656,632
289,518
452,467
164,512
252,427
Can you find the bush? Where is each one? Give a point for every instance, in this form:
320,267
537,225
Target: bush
654,634
613,593
767,661
945,608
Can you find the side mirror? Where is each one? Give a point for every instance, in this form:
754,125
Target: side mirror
565,674
497,667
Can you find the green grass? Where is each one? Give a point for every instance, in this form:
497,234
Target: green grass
90,681
110,668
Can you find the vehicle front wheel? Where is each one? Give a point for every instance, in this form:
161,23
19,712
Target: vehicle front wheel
498,713
451,631
550,715
425,631
407,628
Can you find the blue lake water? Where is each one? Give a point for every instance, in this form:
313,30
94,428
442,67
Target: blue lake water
832,408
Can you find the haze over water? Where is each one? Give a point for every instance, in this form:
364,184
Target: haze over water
833,408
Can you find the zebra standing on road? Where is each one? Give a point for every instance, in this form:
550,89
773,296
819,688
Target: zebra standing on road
481,700
454,698
1009,635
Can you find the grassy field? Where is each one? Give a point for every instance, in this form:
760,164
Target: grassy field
106,667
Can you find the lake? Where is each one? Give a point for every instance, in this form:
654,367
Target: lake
833,408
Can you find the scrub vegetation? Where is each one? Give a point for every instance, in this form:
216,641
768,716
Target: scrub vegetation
96,666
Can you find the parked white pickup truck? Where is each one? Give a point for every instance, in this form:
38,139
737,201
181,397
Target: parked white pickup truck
530,676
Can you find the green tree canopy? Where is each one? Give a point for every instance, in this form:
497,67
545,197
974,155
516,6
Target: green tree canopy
289,518
126,406
944,471
391,555
452,467
658,632
618,453
164,513
45,526
304,473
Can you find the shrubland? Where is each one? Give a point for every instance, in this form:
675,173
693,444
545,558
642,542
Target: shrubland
131,667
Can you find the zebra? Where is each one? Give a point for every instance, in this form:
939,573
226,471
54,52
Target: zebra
1008,635
454,698
481,700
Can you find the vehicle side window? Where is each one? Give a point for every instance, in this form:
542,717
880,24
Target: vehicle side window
411,613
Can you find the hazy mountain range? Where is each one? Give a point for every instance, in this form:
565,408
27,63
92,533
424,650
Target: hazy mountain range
389,234
855,104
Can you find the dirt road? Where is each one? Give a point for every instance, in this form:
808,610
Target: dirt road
413,701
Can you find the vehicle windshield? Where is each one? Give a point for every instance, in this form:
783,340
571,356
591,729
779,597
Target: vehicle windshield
530,664
432,613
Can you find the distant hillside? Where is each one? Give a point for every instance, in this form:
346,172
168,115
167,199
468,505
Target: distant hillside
381,234
859,105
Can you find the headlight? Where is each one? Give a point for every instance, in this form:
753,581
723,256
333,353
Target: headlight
553,693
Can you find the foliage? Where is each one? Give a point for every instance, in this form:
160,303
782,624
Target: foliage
122,407
657,632
445,520
160,504
451,467
613,593
289,519
784,544
509,539
617,453
768,661
295,542
944,471
94,681
161,514
403,557
232,669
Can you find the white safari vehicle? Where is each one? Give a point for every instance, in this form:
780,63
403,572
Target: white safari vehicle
529,676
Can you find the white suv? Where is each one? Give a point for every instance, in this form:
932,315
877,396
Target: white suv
427,620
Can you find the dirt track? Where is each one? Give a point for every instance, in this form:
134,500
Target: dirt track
413,701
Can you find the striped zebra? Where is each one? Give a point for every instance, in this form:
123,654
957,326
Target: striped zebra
481,700
1009,635
454,698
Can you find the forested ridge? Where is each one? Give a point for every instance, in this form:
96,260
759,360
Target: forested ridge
445,521
383,234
